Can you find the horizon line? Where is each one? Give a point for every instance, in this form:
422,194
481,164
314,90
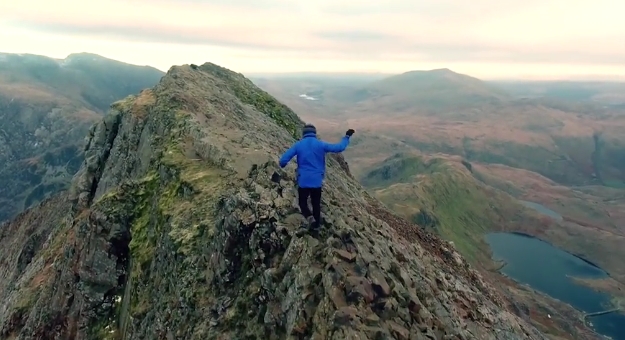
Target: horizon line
565,78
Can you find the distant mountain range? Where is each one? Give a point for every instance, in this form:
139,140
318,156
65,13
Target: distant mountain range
46,107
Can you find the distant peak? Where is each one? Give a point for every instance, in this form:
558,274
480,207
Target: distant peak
84,55
442,70
88,58
438,72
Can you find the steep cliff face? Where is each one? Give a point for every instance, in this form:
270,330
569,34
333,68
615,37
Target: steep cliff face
174,230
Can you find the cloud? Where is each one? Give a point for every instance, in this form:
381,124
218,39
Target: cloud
355,36
515,32
162,34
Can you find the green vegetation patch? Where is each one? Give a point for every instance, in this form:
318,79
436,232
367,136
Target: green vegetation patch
463,211
497,183
400,169
556,165
263,102
164,208
444,199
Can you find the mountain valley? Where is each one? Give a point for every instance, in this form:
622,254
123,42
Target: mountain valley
46,108
140,204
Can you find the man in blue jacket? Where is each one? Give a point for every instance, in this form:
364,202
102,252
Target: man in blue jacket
311,168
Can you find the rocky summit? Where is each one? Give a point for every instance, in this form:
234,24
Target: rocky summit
173,229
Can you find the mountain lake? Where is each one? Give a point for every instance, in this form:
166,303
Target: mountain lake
548,269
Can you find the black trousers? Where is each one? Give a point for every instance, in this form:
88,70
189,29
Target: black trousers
315,197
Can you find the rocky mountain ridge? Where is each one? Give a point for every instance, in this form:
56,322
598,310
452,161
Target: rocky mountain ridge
173,230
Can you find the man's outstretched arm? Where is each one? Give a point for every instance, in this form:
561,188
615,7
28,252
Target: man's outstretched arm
338,147
288,155
342,145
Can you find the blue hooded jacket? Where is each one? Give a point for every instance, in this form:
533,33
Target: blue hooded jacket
311,160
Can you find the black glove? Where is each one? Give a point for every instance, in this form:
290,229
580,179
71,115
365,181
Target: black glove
350,132
275,177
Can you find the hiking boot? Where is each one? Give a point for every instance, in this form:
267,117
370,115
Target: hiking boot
305,226
301,231
315,226
311,221
314,232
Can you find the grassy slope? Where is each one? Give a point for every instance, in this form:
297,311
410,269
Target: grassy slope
443,195
467,204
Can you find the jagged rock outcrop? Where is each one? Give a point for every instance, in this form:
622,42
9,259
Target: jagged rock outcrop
174,230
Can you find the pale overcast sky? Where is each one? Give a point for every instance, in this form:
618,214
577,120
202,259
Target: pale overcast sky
483,38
